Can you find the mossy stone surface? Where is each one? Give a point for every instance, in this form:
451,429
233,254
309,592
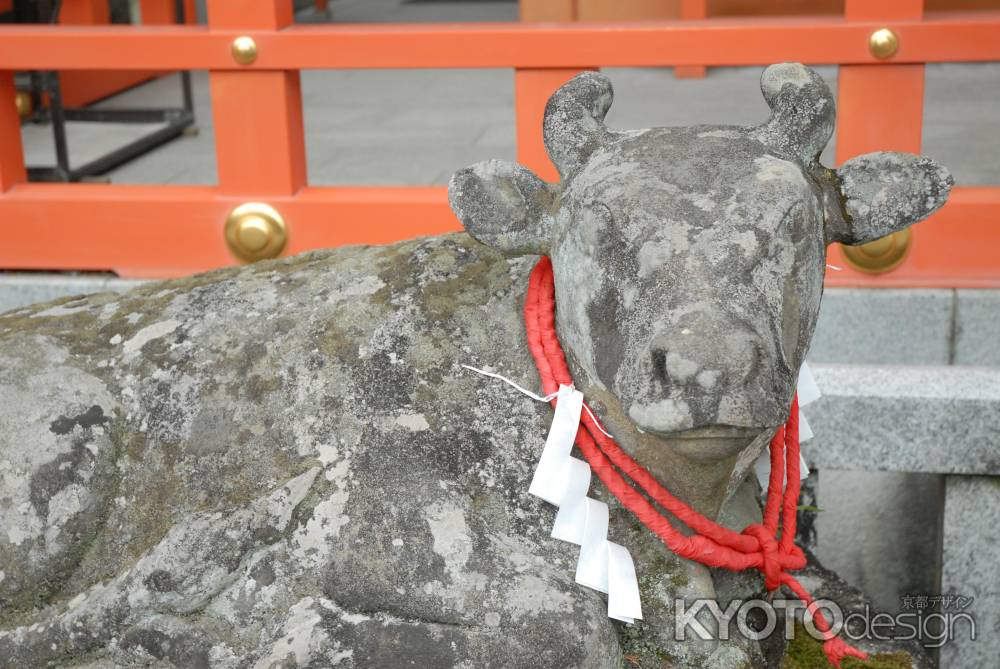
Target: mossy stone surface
284,464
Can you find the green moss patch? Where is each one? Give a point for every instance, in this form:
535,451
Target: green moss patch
805,652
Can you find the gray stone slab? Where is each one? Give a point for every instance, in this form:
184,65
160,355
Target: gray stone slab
970,568
883,326
418,127
977,337
880,532
18,290
88,141
906,419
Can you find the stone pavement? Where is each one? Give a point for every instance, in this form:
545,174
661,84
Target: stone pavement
361,123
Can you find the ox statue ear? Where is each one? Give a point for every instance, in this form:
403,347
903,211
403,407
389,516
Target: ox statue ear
880,193
803,113
574,121
505,206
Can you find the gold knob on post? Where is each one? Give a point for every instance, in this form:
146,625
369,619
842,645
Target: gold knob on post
881,255
244,50
22,100
883,43
255,231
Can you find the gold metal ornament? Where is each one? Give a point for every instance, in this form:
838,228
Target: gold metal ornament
255,231
22,100
883,43
881,255
244,50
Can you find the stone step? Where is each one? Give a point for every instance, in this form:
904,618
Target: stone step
934,419
18,289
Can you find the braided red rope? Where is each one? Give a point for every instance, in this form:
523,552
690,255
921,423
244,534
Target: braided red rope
711,544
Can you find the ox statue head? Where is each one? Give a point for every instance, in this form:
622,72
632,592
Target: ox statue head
689,262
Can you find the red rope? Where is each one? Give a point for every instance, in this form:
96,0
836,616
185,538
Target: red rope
757,547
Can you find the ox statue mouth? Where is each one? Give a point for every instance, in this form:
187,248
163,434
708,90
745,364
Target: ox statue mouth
711,442
717,432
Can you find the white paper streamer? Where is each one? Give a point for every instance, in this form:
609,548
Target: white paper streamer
807,388
808,393
550,479
623,587
563,480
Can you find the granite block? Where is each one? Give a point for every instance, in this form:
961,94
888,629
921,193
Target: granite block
934,419
977,335
883,327
970,567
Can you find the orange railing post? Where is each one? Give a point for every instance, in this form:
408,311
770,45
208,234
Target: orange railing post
880,107
11,154
532,89
692,10
260,145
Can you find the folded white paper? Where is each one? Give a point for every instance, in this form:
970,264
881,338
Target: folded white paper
592,567
563,480
570,522
805,432
623,587
548,480
808,391
807,388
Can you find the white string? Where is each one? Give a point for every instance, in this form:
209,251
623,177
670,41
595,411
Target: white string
834,267
597,422
537,398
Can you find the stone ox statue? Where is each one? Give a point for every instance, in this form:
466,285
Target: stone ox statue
285,465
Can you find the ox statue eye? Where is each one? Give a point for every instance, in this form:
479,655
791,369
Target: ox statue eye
791,223
599,212
790,217
595,224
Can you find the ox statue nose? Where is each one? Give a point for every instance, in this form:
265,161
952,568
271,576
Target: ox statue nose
704,357
703,372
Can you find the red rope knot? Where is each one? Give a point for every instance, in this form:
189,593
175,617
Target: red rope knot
836,649
775,558
770,555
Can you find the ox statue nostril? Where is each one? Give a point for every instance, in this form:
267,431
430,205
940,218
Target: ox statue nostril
659,356
699,355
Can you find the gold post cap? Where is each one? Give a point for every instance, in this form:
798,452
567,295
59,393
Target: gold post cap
883,43
255,231
244,50
22,100
881,255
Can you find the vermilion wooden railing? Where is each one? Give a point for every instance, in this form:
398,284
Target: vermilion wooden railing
169,230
